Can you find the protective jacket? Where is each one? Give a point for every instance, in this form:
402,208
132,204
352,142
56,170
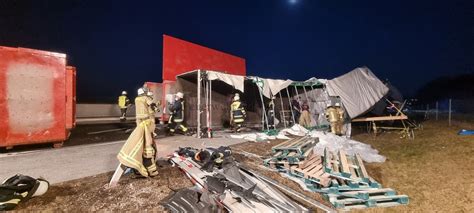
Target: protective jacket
177,110
332,114
123,101
237,112
141,107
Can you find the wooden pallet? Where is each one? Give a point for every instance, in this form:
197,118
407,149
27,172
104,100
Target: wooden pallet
342,179
312,170
275,164
348,203
302,146
291,156
348,170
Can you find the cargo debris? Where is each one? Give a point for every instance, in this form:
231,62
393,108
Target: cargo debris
342,179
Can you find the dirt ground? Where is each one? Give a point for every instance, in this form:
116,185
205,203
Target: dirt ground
436,170
92,194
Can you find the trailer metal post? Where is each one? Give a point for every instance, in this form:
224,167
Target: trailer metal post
282,109
437,110
298,97
291,106
314,94
210,108
305,93
199,105
206,87
273,108
264,114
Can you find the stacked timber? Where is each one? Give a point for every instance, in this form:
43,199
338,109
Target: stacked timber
341,178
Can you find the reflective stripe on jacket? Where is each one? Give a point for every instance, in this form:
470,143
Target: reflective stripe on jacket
238,113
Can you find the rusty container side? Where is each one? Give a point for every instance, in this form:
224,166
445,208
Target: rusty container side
32,97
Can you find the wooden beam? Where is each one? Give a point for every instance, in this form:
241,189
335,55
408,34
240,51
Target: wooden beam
360,163
381,118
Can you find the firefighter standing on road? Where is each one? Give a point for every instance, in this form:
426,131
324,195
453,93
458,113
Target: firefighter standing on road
123,103
139,150
177,114
237,113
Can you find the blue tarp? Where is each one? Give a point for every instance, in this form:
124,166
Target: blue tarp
466,132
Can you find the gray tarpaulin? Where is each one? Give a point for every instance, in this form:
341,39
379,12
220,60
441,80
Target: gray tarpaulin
359,90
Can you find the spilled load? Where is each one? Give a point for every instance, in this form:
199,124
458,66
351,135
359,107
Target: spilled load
222,184
342,179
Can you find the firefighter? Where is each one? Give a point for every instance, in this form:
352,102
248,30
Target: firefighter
305,117
271,113
177,115
335,116
296,108
237,113
139,151
152,109
142,105
123,103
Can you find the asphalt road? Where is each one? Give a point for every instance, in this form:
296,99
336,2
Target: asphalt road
74,162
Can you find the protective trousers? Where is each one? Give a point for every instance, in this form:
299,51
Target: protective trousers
177,124
305,119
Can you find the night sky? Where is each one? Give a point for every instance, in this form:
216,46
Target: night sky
117,45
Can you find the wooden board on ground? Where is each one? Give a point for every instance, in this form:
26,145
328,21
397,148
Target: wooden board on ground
117,174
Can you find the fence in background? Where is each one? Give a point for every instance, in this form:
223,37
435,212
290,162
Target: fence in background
448,110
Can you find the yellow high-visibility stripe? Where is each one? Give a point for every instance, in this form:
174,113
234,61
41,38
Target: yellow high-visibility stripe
12,201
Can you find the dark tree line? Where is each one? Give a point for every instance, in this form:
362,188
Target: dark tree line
455,87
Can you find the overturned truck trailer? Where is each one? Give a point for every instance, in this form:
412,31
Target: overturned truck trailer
37,97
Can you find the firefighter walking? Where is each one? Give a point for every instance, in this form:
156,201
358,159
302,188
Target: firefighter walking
237,113
123,103
177,115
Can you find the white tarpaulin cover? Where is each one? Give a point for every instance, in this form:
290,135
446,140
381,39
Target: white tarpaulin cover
272,86
359,90
335,143
236,81
258,137
314,80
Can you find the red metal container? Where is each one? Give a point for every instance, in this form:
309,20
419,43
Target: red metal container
70,97
33,97
180,56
